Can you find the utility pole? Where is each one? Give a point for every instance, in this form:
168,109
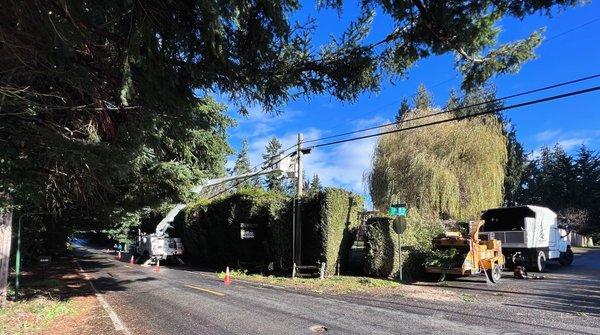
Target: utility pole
297,225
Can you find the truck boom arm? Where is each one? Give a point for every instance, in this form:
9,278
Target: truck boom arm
283,166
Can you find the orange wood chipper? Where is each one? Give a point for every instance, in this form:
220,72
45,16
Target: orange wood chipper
464,255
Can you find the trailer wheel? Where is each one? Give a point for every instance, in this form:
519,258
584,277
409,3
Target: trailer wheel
540,264
495,273
566,258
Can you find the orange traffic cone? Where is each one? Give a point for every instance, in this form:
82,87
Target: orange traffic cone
131,260
157,268
227,279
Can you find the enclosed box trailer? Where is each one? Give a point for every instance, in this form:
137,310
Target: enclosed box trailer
530,236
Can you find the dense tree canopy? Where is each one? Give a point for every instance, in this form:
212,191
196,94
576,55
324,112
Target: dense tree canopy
569,185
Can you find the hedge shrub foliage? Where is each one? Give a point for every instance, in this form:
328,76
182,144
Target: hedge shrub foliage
329,222
211,230
381,246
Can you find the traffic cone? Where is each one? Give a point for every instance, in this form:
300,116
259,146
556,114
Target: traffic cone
227,279
157,268
131,260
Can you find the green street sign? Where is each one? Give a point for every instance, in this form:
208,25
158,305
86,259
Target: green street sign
398,210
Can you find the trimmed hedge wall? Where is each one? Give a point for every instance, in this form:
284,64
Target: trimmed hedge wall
329,222
381,247
211,230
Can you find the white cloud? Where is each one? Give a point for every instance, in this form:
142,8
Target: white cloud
259,123
568,140
342,165
374,121
547,135
571,143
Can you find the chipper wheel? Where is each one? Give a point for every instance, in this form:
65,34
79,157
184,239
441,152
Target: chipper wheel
495,273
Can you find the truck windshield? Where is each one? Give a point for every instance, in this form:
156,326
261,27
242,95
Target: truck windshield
503,219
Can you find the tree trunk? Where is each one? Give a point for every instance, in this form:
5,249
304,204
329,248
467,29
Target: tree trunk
5,240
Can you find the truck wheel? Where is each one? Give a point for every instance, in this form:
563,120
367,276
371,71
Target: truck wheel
566,258
540,264
495,273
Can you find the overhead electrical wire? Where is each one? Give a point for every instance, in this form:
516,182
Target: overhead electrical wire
492,111
458,118
540,89
546,40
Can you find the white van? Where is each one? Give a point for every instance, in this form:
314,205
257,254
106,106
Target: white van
530,236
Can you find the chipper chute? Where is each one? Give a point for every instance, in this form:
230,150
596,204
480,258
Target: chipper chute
464,255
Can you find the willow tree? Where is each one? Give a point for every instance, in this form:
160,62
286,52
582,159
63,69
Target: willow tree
449,170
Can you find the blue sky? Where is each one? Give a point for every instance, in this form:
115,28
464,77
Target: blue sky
570,51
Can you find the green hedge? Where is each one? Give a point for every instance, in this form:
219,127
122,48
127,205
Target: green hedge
381,247
329,223
211,230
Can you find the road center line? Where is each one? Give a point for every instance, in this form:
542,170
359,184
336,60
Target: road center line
206,290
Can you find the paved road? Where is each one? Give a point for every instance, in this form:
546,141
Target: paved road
177,301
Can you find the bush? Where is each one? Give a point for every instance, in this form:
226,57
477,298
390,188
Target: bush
329,222
381,246
211,230
413,263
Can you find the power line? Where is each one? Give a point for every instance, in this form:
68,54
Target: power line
460,108
395,101
573,29
492,111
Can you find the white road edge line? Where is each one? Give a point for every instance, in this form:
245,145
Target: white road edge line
117,323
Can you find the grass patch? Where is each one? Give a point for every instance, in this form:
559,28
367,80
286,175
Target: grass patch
333,285
31,316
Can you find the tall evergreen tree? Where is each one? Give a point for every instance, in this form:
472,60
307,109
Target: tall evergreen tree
315,185
453,102
568,186
564,179
587,169
516,166
242,161
422,100
273,148
404,108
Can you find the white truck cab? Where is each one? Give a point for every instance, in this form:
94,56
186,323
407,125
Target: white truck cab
530,235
